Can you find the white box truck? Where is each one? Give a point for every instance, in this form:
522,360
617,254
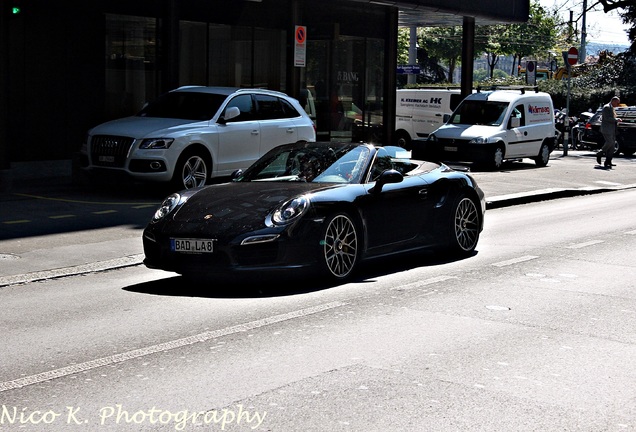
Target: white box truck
420,111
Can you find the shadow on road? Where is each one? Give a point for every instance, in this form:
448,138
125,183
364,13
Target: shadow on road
287,284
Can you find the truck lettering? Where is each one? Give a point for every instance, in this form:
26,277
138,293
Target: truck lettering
534,109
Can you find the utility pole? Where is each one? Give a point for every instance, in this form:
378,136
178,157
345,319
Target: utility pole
412,78
582,53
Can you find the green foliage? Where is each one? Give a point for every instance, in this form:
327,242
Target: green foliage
595,87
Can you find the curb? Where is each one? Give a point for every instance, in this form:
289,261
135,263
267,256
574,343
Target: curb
129,261
547,194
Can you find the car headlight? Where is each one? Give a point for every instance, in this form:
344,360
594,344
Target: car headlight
156,143
479,140
166,207
290,210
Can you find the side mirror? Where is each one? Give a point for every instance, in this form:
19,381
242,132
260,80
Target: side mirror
446,118
515,122
388,176
230,113
236,174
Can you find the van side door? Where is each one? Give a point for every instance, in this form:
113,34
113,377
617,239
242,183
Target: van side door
519,140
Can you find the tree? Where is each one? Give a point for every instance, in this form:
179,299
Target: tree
489,40
533,38
444,43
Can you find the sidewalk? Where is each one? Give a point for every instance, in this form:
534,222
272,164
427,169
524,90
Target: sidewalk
571,175
35,258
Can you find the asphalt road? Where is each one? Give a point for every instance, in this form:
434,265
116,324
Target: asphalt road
534,332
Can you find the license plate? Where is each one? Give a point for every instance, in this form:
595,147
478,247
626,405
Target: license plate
191,245
449,148
107,158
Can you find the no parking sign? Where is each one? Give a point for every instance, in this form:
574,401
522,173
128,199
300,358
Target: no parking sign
300,43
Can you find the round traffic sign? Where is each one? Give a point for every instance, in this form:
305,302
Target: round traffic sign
573,56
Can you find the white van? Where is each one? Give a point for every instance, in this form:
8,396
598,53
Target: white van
492,126
419,112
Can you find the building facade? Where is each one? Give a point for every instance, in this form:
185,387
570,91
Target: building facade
69,65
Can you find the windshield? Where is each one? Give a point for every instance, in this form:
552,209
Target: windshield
184,105
477,112
318,164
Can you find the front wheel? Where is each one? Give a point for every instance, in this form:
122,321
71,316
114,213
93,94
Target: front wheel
544,155
340,247
465,226
496,157
192,171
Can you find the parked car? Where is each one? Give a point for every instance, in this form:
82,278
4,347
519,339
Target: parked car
592,138
193,134
321,207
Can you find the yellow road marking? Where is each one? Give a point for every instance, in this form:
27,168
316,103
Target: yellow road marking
105,212
61,216
84,202
16,221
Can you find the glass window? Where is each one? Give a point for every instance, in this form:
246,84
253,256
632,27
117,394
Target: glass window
269,107
272,107
518,112
245,105
132,76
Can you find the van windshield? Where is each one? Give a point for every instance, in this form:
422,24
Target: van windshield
476,112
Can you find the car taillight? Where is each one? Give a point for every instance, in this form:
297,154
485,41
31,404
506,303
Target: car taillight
588,126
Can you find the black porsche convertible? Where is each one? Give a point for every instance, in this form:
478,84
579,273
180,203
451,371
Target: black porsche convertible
318,206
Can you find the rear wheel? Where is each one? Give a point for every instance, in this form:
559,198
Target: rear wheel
544,155
192,171
465,226
340,246
402,139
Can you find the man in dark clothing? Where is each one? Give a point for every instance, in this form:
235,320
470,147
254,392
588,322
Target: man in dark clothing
608,129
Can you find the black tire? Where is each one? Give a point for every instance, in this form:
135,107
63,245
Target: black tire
340,250
192,170
544,155
497,154
465,223
402,139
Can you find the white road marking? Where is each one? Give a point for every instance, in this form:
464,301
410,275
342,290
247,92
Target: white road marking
609,183
166,346
584,244
424,282
515,260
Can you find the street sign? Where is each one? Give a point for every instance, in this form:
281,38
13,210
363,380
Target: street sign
573,56
531,72
409,69
300,46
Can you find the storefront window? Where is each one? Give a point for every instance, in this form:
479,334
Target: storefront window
345,77
222,55
131,63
